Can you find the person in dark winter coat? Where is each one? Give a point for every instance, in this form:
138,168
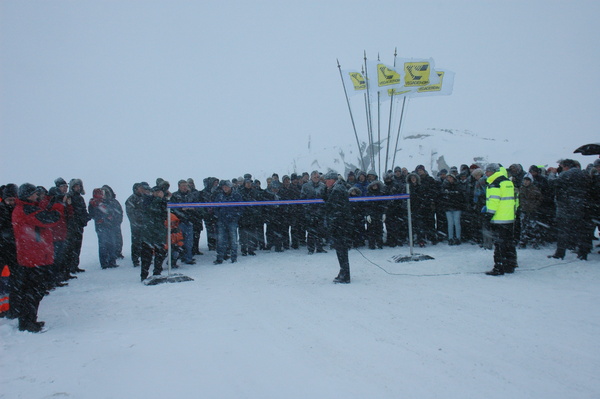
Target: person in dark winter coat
453,202
134,210
362,183
375,211
250,220
117,211
75,225
289,192
298,228
357,217
154,232
210,222
395,211
530,200
314,213
277,227
186,219
419,208
35,253
227,222
429,191
59,272
104,217
197,217
547,211
572,188
337,210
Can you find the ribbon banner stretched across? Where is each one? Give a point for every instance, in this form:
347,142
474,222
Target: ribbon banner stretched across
282,202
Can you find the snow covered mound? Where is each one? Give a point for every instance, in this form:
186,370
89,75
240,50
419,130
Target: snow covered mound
436,149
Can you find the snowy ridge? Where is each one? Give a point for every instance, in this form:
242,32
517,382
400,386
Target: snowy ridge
437,149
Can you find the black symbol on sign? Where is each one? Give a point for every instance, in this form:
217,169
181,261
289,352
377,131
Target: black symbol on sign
417,68
388,77
358,78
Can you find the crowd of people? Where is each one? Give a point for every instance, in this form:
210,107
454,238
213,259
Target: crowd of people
41,230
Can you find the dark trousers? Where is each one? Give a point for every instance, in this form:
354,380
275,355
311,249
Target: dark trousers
228,240
505,251
59,271
136,244
343,260
73,248
248,241
158,252
107,248
31,287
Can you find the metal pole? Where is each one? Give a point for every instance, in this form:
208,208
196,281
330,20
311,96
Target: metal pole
169,239
351,117
370,120
410,230
387,150
399,128
387,147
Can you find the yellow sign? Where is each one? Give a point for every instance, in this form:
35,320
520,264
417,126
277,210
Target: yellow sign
416,73
387,76
358,80
436,87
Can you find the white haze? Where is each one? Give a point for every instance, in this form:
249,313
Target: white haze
116,92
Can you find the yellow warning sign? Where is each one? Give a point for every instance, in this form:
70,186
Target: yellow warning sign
358,80
416,73
387,76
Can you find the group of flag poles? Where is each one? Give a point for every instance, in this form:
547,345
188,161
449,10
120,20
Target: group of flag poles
407,78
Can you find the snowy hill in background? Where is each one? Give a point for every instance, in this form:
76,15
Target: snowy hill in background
437,149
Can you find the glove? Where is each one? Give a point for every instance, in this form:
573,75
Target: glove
488,216
368,219
383,218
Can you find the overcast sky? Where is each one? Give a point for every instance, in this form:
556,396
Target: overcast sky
115,92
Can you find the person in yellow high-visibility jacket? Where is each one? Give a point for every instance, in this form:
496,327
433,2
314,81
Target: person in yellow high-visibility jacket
501,203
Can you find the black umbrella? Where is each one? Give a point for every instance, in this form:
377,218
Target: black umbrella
589,149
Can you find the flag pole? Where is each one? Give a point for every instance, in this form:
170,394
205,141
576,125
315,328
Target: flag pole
351,116
399,128
369,117
379,130
387,147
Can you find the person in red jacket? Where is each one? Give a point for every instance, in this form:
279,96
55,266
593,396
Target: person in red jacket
35,252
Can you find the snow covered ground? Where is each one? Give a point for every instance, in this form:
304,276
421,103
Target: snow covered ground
274,326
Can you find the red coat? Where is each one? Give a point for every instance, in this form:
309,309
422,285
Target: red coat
33,232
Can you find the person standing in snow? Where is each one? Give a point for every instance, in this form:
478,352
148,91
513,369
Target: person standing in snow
314,189
227,222
117,210
500,208
337,211
186,217
104,220
35,252
154,233
134,209
572,188
75,225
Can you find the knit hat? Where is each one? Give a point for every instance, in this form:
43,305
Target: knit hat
331,175
10,191
492,167
60,182
26,190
